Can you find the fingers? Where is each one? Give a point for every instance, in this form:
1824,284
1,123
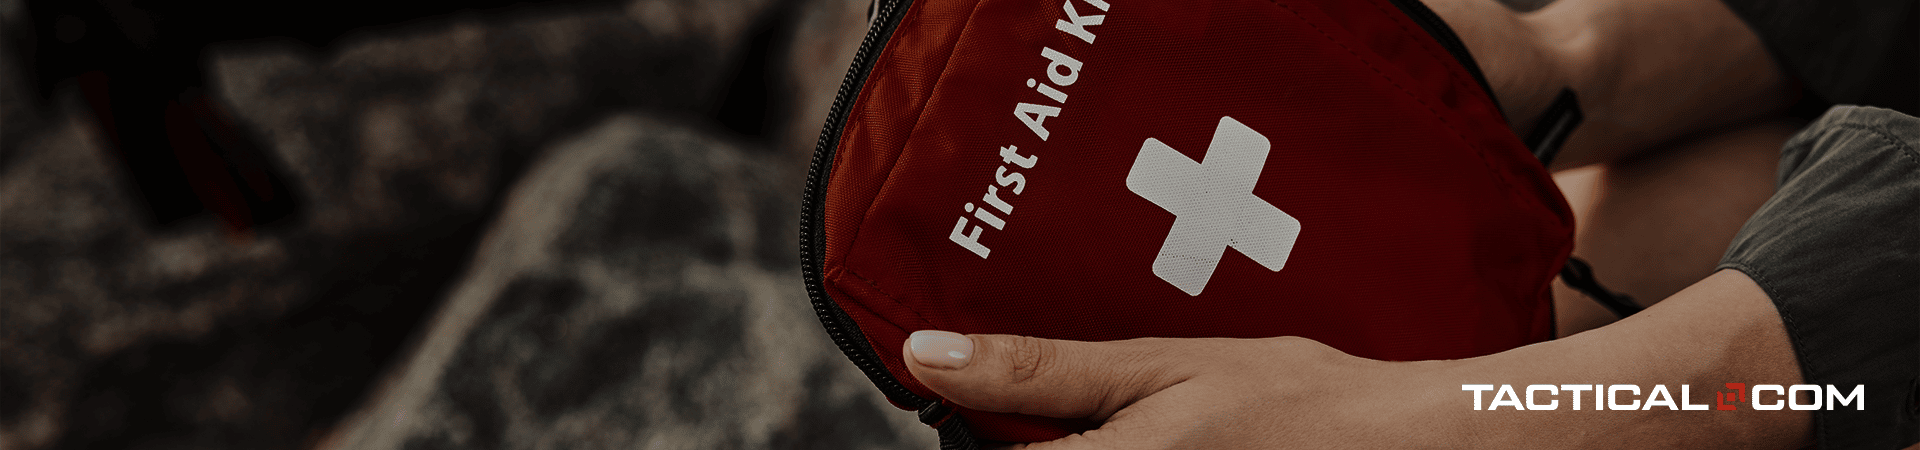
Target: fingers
1044,377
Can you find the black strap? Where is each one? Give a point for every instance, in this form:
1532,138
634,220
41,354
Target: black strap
1579,276
1558,122
1562,116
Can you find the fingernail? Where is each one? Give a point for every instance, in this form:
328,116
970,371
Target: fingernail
941,349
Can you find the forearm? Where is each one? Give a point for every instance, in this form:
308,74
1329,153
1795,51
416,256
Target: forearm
1294,392
1646,71
1652,71
1720,330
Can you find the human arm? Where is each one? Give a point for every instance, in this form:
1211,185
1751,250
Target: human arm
1230,393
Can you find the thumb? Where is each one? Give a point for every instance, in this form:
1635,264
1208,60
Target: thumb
1043,377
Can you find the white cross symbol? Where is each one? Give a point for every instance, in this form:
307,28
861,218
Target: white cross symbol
1213,205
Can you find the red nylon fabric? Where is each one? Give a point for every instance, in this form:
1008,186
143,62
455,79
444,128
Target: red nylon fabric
1426,229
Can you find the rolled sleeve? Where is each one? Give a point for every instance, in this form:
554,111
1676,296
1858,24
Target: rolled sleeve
1837,248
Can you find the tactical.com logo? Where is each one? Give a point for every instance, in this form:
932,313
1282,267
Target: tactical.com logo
1626,397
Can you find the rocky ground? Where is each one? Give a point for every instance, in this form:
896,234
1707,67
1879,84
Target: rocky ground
568,227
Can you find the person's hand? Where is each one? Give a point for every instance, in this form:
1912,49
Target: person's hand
1187,393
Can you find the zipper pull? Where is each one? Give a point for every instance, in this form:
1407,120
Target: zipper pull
935,413
1562,116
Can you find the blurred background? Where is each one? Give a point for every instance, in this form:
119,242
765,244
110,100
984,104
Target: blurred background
407,225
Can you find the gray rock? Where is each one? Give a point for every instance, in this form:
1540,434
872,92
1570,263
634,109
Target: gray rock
85,285
637,291
435,118
402,142
649,298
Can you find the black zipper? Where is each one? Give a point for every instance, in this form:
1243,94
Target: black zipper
1444,35
845,333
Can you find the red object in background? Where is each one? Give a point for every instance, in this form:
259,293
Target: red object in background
1235,168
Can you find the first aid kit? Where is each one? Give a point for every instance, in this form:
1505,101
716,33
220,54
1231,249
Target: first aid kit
1113,169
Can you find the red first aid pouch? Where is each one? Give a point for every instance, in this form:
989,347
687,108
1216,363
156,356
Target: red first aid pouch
1101,170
